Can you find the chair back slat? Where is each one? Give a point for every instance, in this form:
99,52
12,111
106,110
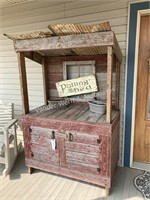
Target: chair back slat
6,114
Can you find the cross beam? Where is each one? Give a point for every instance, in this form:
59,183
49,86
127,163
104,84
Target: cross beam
98,39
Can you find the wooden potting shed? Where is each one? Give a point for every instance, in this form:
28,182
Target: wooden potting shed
87,144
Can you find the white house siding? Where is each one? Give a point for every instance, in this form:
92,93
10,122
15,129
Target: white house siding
37,15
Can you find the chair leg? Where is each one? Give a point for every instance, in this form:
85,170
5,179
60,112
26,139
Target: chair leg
15,140
7,154
7,151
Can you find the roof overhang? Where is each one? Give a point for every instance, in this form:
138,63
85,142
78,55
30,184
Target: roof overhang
71,42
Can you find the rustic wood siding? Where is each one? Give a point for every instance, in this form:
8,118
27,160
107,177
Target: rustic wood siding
36,16
56,71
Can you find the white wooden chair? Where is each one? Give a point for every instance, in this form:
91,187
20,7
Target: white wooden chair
8,137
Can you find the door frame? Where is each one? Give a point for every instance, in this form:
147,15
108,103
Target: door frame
133,9
132,163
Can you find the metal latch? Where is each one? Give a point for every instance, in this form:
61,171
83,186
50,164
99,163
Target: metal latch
69,136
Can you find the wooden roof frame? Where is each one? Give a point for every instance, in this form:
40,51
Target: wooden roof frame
30,47
98,39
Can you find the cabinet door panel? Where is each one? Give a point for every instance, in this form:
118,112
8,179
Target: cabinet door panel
83,138
82,167
83,152
82,158
82,148
41,147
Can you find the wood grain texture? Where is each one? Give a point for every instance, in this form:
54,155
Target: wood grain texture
45,80
42,185
65,42
34,56
90,156
109,84
117,84
141,151
23,82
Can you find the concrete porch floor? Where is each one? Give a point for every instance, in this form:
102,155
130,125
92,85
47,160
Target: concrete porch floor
20,185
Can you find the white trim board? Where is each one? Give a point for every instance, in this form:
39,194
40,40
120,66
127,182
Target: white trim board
132,163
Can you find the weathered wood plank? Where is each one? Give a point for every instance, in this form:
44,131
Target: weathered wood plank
83,148
62,153
84,138
59,112
81,167
70,112
117,84
34,56
45,80
79,113
98,180
109,85
23,82
117,50
82,158
84,116
93,117
46,158
66,42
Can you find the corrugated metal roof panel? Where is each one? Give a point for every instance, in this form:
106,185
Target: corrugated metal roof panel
32,35
62,29
71,29
67,29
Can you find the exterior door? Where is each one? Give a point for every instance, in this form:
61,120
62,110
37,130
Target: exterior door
142,116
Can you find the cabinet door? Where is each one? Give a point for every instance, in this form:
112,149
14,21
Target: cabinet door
83,152
41,146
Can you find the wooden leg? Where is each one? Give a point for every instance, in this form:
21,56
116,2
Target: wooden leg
107,191
30,170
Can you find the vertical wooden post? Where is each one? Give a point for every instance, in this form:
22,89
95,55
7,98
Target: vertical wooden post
109,84
45,80
23,82
117,84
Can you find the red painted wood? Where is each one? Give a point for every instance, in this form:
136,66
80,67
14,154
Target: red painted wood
82,167
62,153
95,179
91,156
82,158
55,67
46,158
83,148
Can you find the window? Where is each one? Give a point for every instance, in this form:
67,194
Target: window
78,69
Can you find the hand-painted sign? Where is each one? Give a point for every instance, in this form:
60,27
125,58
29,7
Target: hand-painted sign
77,86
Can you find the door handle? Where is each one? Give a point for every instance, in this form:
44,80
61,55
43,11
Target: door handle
53,135
69,137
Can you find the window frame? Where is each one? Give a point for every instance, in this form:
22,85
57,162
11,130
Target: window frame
68,63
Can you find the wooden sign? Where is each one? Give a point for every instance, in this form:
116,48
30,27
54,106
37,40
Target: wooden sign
77,86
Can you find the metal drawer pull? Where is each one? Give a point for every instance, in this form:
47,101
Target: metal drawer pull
53,135
69,136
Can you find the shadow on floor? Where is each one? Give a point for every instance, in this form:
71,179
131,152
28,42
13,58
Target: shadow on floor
19,167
